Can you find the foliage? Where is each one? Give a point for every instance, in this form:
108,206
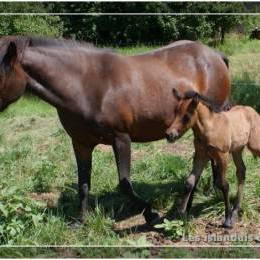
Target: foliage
174,228
122,30
17,214
29,24
150,29
44,177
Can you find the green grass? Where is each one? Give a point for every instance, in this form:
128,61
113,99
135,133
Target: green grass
36,159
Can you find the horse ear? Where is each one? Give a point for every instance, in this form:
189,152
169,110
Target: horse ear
9,57
176,94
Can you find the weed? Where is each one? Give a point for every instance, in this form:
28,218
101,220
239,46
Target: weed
44,177
17,214
174,228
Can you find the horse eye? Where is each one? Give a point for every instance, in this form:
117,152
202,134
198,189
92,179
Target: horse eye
185,119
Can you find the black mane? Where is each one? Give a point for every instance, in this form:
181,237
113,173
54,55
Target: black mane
210,104
36,41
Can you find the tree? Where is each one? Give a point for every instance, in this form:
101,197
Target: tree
29,24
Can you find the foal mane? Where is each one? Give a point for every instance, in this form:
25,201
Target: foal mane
209,103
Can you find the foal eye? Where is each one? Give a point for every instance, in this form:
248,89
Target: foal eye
185,119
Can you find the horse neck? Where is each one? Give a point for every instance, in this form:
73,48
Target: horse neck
205,120
49,77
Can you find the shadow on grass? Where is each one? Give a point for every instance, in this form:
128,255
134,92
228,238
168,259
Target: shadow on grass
118,207
115,204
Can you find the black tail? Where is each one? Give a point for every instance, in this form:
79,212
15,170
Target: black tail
223,57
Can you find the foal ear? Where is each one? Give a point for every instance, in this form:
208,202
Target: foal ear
195,100
9,57
176,94
190,94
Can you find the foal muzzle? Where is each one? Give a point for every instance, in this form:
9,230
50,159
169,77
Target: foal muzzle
172,136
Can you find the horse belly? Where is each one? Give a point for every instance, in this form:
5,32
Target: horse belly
85,131
148,131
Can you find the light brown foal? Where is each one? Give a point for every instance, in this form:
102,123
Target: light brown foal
216,135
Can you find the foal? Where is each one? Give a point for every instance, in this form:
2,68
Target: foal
216,135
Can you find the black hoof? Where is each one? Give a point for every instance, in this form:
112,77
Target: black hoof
152,218
227,224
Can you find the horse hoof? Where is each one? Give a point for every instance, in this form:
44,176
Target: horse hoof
152,218
227,224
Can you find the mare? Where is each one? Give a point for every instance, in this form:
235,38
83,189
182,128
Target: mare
103,97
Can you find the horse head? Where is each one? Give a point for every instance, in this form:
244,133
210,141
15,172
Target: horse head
12,77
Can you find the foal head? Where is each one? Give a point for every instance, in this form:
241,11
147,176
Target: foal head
185,115
12,76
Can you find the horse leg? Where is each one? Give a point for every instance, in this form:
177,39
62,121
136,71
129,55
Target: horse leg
240,172
83,156
199,163
222,184
122,151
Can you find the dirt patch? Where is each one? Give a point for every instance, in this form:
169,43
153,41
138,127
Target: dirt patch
105,148
183,148
50,198
66,252
206,232
136,227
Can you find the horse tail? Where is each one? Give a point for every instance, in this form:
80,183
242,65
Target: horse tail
224,58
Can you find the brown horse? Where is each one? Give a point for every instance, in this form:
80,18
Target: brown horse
106,98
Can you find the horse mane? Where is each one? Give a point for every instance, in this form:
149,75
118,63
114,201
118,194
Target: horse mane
210,104
36,41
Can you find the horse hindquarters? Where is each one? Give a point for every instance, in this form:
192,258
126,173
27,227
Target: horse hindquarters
254,138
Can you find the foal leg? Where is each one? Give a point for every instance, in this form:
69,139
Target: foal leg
122,151
199,163
222,184
215,171
240,172
83,156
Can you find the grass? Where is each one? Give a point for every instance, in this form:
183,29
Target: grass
36,159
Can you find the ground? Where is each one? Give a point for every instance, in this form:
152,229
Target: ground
38,198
